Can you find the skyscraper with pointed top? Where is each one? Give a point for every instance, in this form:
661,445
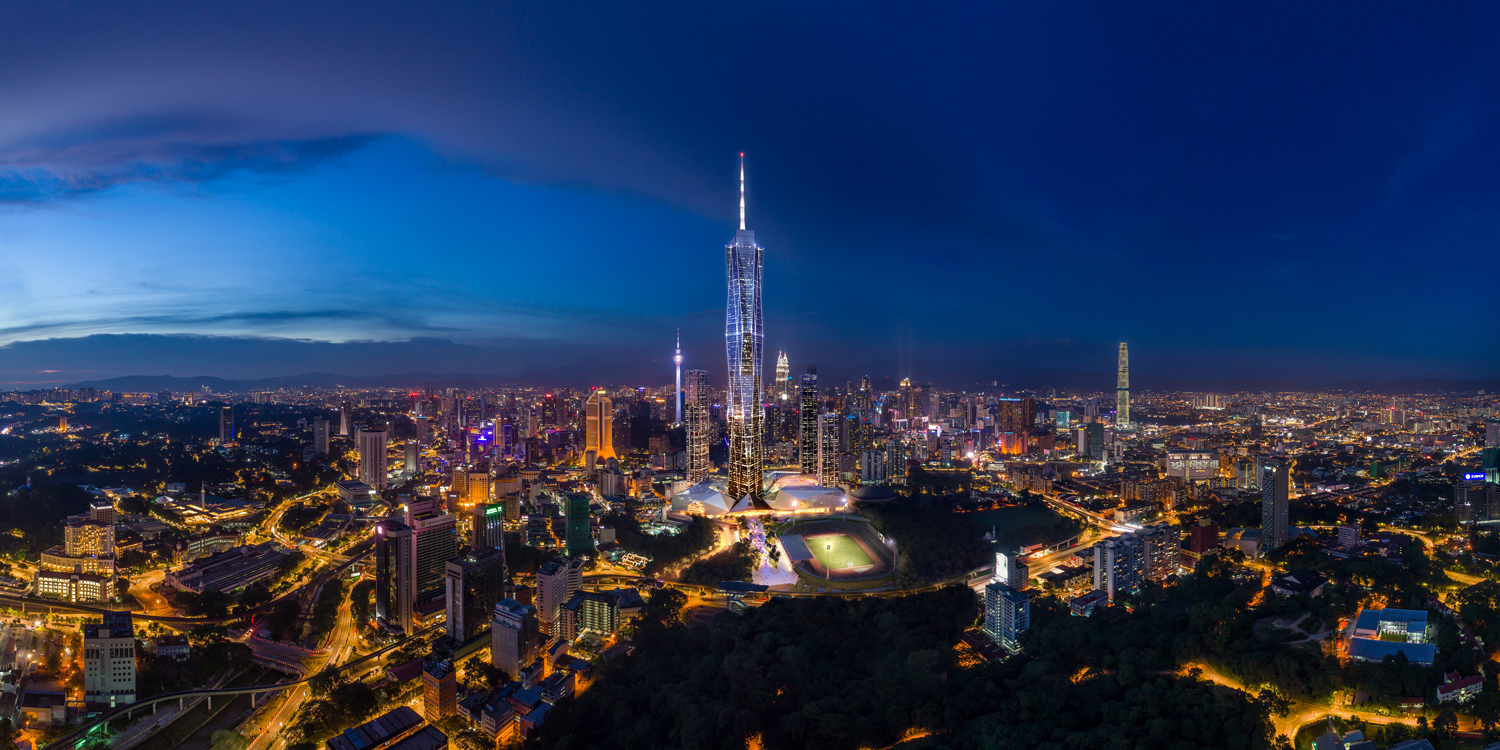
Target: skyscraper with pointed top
1122,389
783,377
742,344
677,360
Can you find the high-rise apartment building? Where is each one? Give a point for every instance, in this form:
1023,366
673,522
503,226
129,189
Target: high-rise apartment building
475,584
372,468
743,337
320,437
1275,487
109,661
513,637
1122,389
599,419
434,542
811,407
1120,565
698,435
555,584
394,605
226,425
1007,614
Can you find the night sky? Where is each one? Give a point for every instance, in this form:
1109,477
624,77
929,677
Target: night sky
1290,191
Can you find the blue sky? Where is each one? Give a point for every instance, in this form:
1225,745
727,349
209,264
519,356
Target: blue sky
1277,191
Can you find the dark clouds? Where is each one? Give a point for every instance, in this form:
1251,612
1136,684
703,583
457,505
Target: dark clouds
1277,185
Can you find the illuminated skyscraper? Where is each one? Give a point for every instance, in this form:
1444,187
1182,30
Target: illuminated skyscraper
226,425
549,411
1275,486
1122,389
372,467
345,417
783,382
812,406
697,426
742,344
677,393
599,416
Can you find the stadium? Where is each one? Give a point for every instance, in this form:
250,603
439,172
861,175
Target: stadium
829,550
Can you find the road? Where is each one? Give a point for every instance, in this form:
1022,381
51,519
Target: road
152,602
266,730
1301,713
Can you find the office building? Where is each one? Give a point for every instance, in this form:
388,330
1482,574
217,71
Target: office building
811,407
487,527
84,538
226,425
782,388
599,419
471,486
551,412
580,537
555,584
1492,434
1474,501
439,691
372,468
109,661
1011,569
828,449
1275,486
103,511
412,456
394,564
474,584
320,437
744,336
346,417
1122,390
698,427
1203,536
434,542
1007,614
513,637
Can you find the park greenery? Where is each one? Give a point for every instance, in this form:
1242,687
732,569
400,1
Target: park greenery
734,564
935,542
664,550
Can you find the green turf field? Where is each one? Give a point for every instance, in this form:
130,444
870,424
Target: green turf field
845,552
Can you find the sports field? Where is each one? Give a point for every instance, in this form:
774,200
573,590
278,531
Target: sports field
839,553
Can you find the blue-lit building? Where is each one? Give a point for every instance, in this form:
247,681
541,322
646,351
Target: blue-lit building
1378,633
1007,614
742,344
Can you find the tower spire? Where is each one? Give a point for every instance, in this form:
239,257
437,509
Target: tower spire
742,190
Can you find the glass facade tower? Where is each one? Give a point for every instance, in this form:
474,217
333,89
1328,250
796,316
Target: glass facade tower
742,344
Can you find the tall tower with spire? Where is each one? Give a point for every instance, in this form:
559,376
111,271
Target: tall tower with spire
677,393
1122,389
742,345
783,377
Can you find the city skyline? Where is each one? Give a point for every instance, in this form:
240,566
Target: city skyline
210,229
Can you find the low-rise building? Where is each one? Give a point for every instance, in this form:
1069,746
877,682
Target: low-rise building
1459,689
72,587
229,570
1303,582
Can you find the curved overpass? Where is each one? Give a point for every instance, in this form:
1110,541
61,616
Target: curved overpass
22,602
75,738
